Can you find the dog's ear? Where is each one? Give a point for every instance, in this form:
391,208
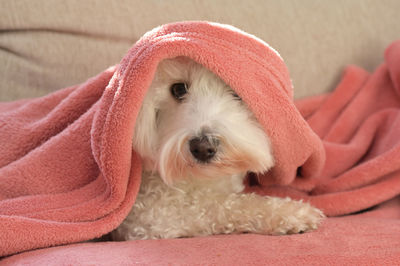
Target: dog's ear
144,138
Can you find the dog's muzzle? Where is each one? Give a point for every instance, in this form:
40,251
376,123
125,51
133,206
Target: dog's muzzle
203,148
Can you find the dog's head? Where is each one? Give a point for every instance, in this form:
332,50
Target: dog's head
194,125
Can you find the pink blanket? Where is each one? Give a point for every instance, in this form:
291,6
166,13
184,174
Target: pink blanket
68,174
371,238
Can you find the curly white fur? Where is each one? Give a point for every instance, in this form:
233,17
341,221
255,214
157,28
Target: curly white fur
182,195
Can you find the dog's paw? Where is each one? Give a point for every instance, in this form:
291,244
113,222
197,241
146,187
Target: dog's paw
297,217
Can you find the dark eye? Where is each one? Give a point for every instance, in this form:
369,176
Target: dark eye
178,90
234,94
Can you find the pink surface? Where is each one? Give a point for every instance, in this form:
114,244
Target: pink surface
359,126
68,173
371,238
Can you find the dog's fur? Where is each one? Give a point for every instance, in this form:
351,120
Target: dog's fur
197,146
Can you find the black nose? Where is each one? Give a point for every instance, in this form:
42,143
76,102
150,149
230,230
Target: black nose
202,149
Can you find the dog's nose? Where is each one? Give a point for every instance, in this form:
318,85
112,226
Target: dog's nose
202,149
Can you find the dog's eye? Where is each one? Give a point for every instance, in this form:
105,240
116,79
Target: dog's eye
234,94
178,90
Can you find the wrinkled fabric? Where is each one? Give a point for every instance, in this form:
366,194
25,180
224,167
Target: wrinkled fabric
68,172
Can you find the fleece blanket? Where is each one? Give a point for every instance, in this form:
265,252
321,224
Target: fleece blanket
370,238
68,172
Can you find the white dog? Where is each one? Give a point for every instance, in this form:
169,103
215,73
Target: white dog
198,141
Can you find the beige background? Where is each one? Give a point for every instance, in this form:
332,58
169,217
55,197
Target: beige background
49,44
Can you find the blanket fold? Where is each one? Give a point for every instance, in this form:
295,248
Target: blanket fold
359,126
68,172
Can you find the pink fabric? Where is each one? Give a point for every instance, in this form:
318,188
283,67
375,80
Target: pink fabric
371,238
359,126
68,174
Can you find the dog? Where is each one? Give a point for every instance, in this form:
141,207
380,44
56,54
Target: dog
198,140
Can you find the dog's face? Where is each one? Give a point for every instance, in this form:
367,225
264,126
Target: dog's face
194,125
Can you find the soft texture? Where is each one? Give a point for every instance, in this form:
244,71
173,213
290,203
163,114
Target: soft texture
48,45
371,238
68,172
359,125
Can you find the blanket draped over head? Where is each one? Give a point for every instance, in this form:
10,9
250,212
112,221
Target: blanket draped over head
68,172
